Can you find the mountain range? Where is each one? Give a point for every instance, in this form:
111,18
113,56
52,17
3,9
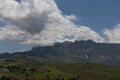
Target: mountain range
70,52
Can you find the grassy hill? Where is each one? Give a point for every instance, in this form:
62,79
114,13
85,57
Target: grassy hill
42,71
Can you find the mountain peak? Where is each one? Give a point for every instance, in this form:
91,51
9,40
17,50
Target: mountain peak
72,52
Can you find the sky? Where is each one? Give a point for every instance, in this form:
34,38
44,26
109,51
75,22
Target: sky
28,23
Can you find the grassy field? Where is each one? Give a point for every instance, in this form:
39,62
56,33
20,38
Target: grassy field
42,71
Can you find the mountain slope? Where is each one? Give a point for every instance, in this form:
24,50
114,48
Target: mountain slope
68,52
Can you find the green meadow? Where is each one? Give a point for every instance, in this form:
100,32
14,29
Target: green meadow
52,71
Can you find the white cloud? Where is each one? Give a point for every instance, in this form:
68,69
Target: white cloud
40,22
71,17
113,35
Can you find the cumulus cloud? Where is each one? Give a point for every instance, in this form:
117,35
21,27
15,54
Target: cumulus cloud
40,22
113,34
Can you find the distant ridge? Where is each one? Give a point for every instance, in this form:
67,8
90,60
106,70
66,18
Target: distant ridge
70,52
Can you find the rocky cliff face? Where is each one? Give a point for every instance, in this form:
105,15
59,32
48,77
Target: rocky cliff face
76,52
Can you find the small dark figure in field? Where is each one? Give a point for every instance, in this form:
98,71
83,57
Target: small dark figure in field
24,69
27,79
62,78
49,71
33,69
27,75
78,77
48,77
74,78
59,75
13,67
